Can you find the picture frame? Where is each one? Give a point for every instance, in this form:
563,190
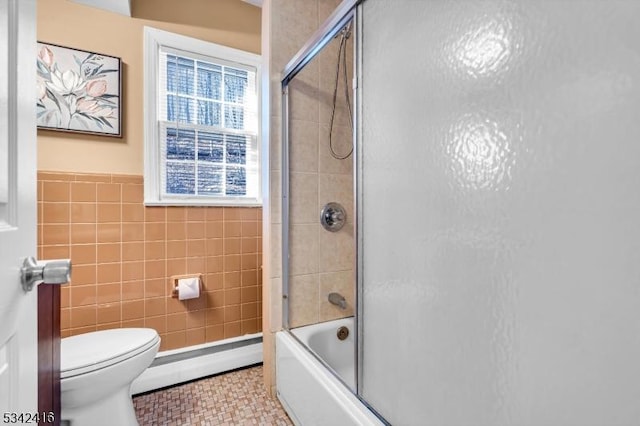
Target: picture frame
78,91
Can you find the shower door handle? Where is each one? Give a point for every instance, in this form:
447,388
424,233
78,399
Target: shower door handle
45,272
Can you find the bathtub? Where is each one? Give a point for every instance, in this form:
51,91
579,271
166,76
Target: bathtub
309,392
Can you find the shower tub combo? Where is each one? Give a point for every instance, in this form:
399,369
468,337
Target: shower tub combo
316,392
316,364
494,279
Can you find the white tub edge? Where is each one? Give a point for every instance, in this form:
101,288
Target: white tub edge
310,394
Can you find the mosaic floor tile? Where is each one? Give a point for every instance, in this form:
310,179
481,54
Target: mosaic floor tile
236,398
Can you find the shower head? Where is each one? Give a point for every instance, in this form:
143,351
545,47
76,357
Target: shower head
345,32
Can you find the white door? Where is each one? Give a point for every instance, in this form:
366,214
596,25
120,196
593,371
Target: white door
18,309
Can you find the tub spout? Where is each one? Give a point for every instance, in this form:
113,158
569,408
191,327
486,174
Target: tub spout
338,300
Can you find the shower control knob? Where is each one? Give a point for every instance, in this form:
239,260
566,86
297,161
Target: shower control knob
46,272
333,217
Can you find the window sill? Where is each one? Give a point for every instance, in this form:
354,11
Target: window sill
204,203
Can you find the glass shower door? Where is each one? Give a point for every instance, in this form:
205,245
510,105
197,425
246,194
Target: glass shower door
498,171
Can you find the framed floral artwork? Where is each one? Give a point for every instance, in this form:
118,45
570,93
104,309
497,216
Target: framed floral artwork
78,91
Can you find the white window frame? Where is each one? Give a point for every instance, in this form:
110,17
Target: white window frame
154,40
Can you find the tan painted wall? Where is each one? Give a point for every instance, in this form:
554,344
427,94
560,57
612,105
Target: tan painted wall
228,22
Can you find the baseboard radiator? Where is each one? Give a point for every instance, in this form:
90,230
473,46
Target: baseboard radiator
183,365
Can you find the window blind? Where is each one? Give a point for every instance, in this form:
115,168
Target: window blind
207,126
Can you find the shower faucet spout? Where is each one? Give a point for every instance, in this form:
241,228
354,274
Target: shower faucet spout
338,300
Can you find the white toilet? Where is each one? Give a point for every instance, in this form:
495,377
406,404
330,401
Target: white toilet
96,372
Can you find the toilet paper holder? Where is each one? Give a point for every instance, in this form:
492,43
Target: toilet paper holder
174,282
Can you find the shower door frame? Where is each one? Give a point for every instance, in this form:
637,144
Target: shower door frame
344,13
348,10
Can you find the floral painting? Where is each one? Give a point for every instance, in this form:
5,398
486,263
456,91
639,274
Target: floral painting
78,91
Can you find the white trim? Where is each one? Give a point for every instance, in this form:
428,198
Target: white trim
154,40
122,7
232,202
256,3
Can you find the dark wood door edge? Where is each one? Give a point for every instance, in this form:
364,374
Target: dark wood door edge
49,351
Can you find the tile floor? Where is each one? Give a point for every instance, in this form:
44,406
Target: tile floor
235,398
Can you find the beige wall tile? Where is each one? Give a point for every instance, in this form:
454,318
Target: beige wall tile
274,304
275,202
291,26
303,198
303,249
342,142
303,300
337,251
275,137
276,251
303,145
339,189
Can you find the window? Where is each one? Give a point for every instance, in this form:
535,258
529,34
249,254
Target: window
201,122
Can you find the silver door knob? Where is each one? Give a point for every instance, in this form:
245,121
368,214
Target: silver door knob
47,272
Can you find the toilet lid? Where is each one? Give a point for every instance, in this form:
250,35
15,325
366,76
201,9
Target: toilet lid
88,352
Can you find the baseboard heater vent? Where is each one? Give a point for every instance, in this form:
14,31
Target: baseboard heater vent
183,365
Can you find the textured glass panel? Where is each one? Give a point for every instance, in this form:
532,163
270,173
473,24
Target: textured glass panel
210,147
210,179
180,144
180,177
236,180
233,117
209,80
209,113
236,149
234,88
500,201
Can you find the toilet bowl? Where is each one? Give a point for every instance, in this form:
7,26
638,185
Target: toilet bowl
96,372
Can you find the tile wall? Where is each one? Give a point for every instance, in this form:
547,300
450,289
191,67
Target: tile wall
124,254
289,24
320,261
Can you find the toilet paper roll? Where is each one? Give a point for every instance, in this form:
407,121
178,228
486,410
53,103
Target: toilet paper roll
188,288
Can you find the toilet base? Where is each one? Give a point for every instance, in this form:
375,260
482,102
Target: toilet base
115,409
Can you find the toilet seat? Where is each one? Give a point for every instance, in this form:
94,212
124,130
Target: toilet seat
89,352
